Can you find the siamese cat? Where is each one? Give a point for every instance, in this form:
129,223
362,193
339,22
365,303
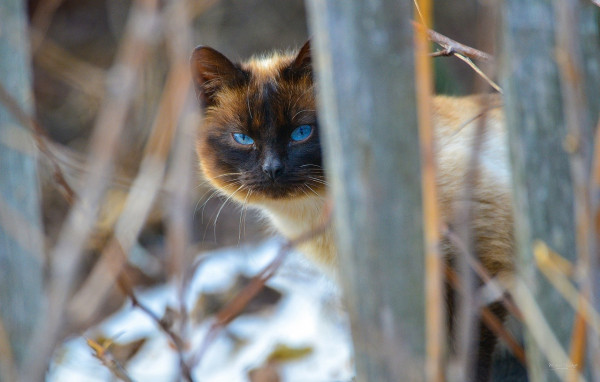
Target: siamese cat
260,145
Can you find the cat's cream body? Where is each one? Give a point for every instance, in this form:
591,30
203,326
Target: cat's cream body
455,122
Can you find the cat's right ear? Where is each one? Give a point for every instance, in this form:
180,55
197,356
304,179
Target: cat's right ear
211,70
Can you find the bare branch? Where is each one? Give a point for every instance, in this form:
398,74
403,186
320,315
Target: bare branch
66,255
436,333
41,140
545,260
452,46
103,354
179,344
479,72
241,300
491,321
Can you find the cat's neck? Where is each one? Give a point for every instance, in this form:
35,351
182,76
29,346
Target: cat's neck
297,216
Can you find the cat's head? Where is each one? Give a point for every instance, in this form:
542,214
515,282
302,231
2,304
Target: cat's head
259,140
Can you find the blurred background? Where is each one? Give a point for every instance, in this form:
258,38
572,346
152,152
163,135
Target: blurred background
74,46
81,42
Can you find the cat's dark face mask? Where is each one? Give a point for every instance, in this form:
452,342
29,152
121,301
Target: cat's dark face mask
260,138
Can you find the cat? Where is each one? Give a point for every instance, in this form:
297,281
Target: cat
260,145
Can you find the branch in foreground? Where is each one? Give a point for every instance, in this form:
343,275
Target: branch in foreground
491,321
41,137
126,287
102,353
452,47
461,51
241,300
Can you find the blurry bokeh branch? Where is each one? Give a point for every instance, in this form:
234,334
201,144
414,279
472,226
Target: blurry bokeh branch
41,140
65,257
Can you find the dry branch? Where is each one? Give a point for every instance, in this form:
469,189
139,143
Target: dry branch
434,263
452,47
544,259
66,255
461,51
235,307
140,199
102,353
41,139
186,370
491,320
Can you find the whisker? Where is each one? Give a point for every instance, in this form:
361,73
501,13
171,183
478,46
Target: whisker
303,190
203,206
310,188
302,111
228,174
248,102
300,96
246,213
221,209
214,192
241,215
207,181
317,180
310,164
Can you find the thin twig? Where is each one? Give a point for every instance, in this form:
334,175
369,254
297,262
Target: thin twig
81,75
540,330
66,255
491,321
102,353
461,51
543,257
436,335
41,138
468,61
455,46
179,344
578,345
180,178
141,197
483,274
40,21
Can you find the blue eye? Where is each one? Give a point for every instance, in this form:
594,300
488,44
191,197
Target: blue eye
301,133
243,139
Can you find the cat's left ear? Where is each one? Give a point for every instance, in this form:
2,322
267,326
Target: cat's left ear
211,71
303,62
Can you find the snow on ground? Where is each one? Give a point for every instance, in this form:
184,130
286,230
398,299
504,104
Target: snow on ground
308,316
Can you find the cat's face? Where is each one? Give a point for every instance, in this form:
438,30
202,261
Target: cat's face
260,138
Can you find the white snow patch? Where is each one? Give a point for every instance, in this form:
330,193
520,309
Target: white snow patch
308,314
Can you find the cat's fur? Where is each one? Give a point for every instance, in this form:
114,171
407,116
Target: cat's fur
267,97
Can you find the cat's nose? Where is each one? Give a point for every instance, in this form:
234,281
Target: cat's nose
273,168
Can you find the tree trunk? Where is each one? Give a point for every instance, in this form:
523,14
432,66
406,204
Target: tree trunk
543,178
21,240
365,70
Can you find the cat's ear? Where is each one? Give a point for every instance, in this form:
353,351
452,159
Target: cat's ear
302,64
211,71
